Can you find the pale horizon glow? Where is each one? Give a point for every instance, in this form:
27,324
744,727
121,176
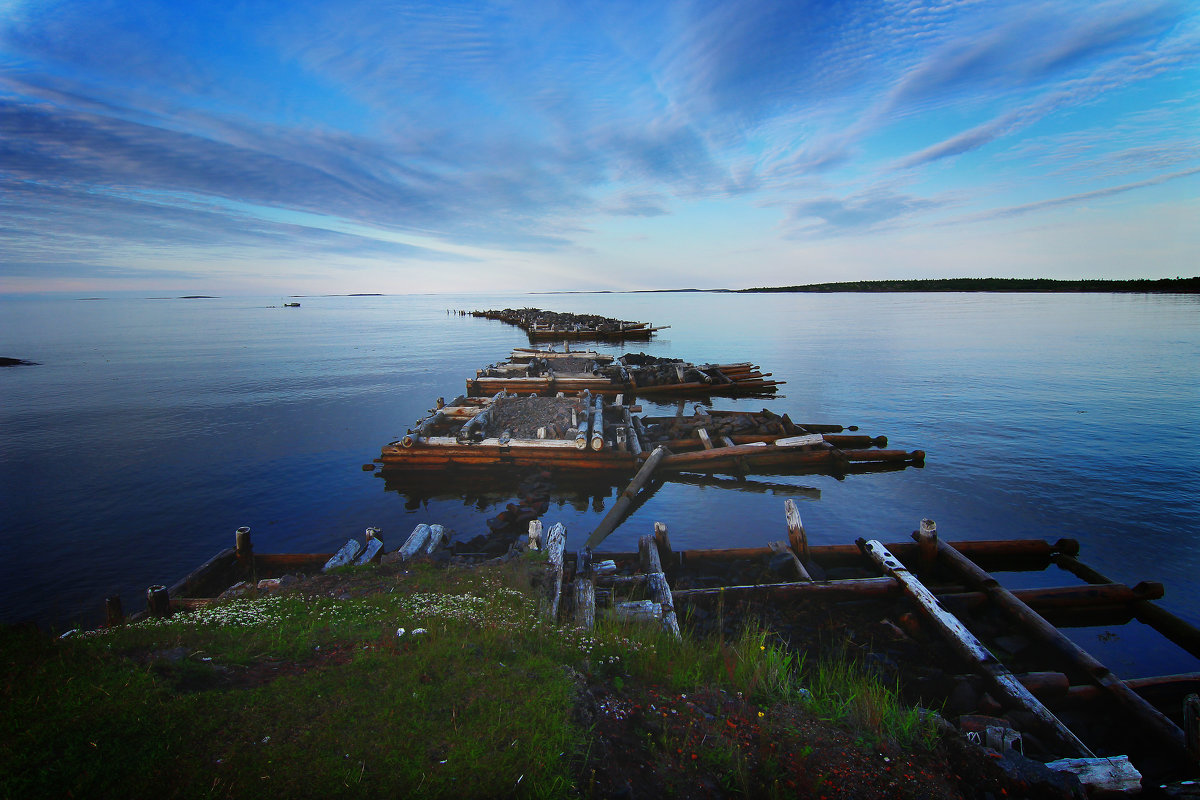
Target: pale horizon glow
359,147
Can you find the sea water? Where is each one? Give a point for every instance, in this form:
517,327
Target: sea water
153,428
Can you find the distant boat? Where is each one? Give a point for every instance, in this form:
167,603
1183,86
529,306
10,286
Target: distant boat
291,305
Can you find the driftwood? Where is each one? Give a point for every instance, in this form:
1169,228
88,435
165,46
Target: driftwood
1113,774
656,584
416,542
346,555
436,534
556,543
971,649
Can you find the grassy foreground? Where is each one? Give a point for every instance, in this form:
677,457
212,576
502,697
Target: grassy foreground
420,682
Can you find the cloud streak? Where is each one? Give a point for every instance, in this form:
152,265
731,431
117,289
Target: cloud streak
410,133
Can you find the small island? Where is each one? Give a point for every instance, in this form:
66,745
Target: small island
1143,285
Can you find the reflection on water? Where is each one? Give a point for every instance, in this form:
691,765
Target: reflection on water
152,429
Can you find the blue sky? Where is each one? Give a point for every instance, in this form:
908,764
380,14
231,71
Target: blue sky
309,147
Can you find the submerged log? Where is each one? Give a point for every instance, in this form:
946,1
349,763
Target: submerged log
616,514
973,650
1178,630
1153,720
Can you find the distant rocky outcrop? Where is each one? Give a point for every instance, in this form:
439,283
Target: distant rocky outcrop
16,362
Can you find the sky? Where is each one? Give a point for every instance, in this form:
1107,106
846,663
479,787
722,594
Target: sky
255,146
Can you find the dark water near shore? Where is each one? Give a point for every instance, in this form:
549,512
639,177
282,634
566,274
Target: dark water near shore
153,428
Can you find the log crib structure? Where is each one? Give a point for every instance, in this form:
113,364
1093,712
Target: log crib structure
586,435
1037,691
547,372
554,326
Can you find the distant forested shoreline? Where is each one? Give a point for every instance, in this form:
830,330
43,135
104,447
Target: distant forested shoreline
1167,285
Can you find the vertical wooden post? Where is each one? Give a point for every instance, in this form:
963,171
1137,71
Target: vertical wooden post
796,534
664,545
158,603
113,613
927,539
1191,726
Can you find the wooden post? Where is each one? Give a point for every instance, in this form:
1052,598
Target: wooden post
664,545
585,602
556,544
970,648
656,584
244,547
1191,726
113,613
158,602
535,534
617,512
927,544
796,534
1153,720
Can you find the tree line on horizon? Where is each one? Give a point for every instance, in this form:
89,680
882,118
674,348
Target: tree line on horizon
1138,285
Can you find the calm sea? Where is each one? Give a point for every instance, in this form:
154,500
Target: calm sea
152,429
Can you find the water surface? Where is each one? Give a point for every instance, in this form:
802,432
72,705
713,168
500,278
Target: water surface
152,429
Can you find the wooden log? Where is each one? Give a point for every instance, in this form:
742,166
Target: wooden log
796,534
598,425
556,543
970,648
585,602
635,440
371,552
782,548
807,440
704,438
1101,775
616,513
641,610
158,602
415,542
535,534
1157,689
424,429
1152,720
346,555
656,584
114,615
1169,625
436,534
220,564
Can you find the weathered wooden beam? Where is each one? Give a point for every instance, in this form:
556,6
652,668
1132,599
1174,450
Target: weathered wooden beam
796,534
973,650
416,541
585,602
656,584
616,513
346,555
556,544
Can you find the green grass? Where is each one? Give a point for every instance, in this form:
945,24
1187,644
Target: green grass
318,696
